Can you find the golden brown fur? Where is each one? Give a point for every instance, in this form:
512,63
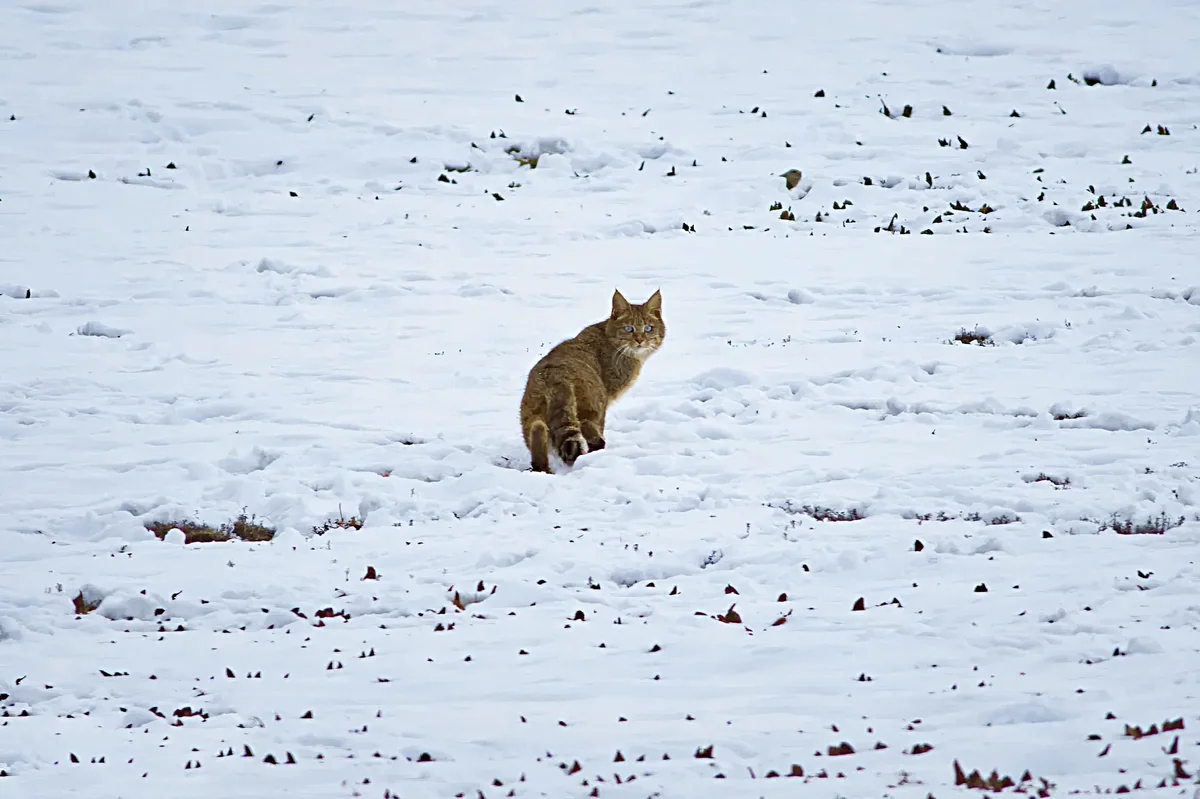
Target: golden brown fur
569,390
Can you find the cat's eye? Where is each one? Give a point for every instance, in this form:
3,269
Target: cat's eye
629,328
649,328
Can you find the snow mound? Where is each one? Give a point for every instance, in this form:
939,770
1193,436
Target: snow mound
100,330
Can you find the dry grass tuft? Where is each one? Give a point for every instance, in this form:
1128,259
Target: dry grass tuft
1055,480
193,532
241,527
978,337
821,513
1153,525
247,529
342,522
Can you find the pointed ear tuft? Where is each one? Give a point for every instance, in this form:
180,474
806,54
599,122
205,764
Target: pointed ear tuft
654,304
620,305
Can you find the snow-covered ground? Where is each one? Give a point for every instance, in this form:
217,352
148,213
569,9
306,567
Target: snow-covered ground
291,260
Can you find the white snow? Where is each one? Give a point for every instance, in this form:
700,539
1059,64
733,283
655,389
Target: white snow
100,330
293,260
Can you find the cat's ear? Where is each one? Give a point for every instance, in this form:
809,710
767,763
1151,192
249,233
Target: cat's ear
620,304
654,304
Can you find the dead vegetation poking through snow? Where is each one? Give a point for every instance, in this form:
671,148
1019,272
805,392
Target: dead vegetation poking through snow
978,337
83,605
240,528
1153,525
819,513
342,522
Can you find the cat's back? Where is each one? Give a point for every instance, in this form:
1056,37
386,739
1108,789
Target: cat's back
579,353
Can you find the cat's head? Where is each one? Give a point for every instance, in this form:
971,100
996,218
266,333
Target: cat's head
636,330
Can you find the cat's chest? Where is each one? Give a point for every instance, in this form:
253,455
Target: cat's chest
623,375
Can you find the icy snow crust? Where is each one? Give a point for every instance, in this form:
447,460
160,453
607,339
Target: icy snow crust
231,279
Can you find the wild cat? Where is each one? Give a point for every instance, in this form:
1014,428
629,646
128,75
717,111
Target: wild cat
570,389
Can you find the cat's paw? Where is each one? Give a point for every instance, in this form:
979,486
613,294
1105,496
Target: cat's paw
571,449
595,445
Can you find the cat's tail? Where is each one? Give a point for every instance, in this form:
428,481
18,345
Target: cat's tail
538,441
563,421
